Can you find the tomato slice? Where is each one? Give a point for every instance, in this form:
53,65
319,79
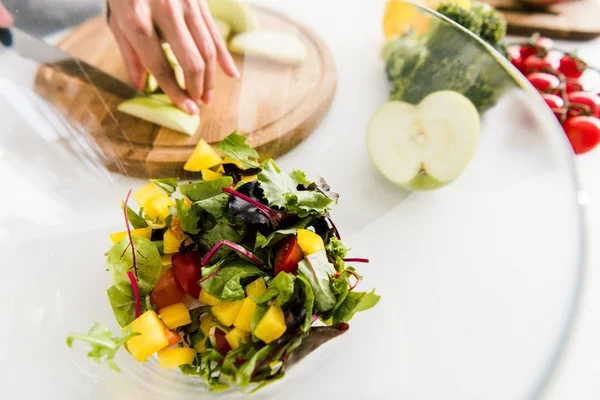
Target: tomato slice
167,291
223,345
187,271
288,255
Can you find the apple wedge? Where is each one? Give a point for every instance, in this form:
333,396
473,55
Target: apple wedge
276,46
233,13
424,146
161,113
224,28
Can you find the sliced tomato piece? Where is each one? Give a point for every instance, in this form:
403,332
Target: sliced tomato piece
288,255
167,291
223,345
187,269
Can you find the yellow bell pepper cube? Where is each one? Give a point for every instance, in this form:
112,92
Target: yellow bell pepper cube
187,202
173,358
203,157
235,336
158,207
175,315
227,311
206,323
140,232
271,326
309,242
249,178
209,175
147,193
207,299
152,336
256,288
244,318
171,242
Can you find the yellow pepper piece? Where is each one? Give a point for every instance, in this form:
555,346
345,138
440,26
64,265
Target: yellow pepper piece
203,157
249,178
244,318
227,312
235,336
206,321
171,242
173,358
152,339
271,326
158,207
401,16
209,175
187,202
256,288
175,315
141,232
201,346
309,242
147,193
207,299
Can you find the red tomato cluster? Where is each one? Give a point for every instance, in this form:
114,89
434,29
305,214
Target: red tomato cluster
555,74
178,281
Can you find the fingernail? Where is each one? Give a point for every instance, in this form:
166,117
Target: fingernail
208,96
236,73
191,107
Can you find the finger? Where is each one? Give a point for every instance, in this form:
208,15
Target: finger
135,69
223,55
172,23
140,32
6,19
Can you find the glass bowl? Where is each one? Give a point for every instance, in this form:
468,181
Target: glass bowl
479,280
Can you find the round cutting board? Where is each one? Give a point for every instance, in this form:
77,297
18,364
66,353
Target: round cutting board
275,106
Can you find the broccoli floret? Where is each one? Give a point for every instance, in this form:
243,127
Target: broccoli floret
471,21
493,27
401,55
502,48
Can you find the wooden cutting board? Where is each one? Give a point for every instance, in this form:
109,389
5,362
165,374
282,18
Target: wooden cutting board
275,106
569,20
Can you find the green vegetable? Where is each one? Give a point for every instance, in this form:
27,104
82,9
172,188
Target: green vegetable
215,206
123,306
205,189
225,282
234,146
169,185
219,232
244,374
280,189
136,220
148,265
309,301
493,26
104,344
188,217
353,303
281,288
317,270
274,237
335,247
259,312
470,20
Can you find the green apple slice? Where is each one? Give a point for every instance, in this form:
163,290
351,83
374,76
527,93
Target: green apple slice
161,113
151,84
276,46
235,14
170,55
425,146
224,28
161,97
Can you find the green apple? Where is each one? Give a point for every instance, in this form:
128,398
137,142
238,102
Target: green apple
161,113
161,97
224,28
234,13
276,46
151,84
425,146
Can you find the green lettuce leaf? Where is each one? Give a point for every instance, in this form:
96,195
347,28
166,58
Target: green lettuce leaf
225,283
245,372
336,248
259,312
123,306
309,301
353,303
148,262
234,146
280,189
169,185
104,344
215,205
136,220
262,241
221,231
188,217
281,288
317,270
205,189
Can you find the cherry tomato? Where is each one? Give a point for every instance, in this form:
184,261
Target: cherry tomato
554,102
583,133
515,57
288,255
587,99
223,345
537,64
167,291
526,51
544,82
571,67
545,42
573,86
186,268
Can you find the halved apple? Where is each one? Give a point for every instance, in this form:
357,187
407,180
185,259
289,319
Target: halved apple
277,46
234,13
161,113
424,146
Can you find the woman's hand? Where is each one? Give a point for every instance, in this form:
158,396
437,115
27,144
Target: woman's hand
190,30
5,17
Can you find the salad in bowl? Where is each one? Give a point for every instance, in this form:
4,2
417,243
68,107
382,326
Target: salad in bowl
233,278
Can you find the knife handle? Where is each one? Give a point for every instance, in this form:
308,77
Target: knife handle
6,37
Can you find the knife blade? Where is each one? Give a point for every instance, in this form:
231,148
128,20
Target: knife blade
39,51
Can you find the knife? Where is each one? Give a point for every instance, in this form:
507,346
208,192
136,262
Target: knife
39,51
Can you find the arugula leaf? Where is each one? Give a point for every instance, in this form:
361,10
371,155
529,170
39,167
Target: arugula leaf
317,270
336,248
104,344
136,220
123,306
353,303
215,205
281,288
221,231
225,283
234,146
188,217
281,190
309,302
169,185
245,372
148,262
205,189
262,241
